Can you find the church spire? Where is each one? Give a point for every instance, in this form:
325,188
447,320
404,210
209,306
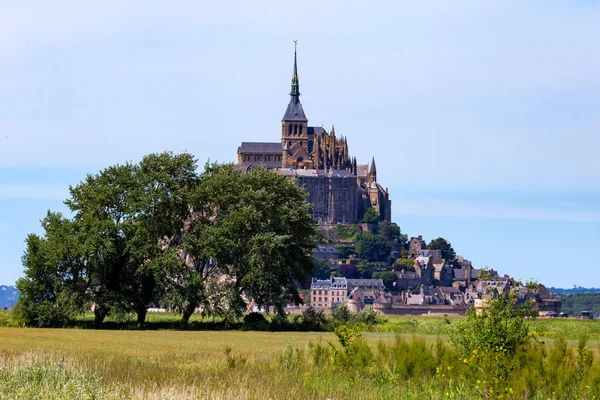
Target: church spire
294,110
295,82
373,170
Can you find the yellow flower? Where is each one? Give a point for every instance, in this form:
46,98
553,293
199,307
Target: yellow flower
466,361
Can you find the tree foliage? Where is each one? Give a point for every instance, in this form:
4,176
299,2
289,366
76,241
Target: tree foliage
373,247
157,232
371,216
322,270
388,278
498,329
442,244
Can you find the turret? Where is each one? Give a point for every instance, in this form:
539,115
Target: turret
284,156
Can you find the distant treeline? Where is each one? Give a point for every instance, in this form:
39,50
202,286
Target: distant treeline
576,289
573,304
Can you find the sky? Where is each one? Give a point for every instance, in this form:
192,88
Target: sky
483,117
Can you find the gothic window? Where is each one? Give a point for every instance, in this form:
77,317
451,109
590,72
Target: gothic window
290,130
301,143
301,129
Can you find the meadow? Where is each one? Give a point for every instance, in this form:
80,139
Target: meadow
406,358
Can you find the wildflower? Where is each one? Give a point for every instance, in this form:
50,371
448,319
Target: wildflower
465,361
449,368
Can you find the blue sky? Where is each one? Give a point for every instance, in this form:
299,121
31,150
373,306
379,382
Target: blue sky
483,116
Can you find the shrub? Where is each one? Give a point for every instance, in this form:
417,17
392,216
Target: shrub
313,319
370,316
341,314
255,321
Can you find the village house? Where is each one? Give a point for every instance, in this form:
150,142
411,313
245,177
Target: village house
415,245
406,280
425,270
328,293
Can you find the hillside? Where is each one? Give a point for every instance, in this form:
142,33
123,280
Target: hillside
573,304
8,296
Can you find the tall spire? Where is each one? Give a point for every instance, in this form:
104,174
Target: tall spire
295,82
373,170
294,110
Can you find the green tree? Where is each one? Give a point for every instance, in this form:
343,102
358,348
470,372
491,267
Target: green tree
373,247
404,263
53,290
131,216
371,216
322,270
442,244
389,230
257,230
495,332
388,278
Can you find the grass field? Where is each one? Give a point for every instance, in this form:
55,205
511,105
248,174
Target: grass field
399,359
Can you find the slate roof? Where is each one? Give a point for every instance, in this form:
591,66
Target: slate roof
365,283
316,131
260,147
338,173
294,111
407,275
362,170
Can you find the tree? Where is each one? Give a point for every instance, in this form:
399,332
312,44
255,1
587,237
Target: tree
388,278
497,331
53,290
157,232
442,244
348,271
321,268
373,247
404,263
389,230
131,216
371,216
257,230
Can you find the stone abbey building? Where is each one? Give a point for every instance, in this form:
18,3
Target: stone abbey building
340,189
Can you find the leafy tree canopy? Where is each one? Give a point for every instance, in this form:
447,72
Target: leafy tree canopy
157,232
371,216
442,244
373,247
322,268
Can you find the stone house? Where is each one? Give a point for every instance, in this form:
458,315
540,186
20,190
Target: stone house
443,274
415,245
328,293
425,270
407,279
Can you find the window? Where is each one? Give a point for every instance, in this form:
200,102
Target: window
290,130
301,133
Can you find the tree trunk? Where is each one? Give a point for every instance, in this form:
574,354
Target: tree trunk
99,315
141,315
187,313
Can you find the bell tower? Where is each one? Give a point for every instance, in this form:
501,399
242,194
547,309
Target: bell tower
294,125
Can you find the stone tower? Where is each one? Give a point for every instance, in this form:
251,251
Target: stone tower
294,125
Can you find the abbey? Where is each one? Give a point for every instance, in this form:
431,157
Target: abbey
340,189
